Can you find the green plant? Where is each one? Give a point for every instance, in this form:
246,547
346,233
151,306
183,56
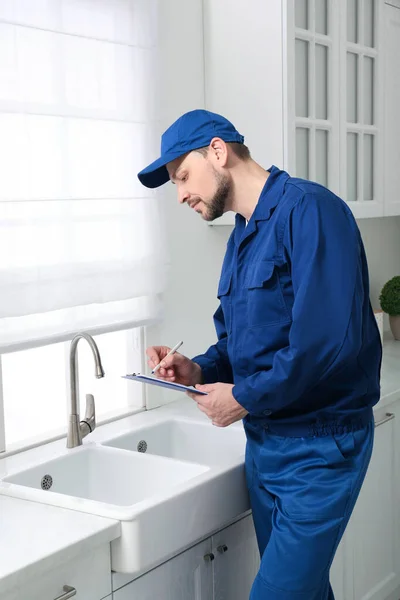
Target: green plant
390,296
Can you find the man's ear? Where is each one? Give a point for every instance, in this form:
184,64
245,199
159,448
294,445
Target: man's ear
218,151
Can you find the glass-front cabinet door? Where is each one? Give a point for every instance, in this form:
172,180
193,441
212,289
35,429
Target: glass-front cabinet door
360,101
334,98
316,73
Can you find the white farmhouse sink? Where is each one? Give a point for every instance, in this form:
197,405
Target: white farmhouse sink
186,441
103,475
189,482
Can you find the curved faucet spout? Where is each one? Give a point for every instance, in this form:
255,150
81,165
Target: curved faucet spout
77,430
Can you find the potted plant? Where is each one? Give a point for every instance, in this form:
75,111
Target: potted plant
390,303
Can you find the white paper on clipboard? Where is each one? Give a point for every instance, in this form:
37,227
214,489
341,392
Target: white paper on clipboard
166,384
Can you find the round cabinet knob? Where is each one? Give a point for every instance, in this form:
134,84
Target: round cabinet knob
222,549
209,557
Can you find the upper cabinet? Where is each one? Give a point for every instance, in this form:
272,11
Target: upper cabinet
306,82
336,86
392,108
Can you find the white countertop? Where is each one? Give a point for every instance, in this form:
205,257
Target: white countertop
390,373
36,537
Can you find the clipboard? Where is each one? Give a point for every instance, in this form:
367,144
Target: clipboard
178,387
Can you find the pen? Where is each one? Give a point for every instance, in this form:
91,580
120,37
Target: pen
172,351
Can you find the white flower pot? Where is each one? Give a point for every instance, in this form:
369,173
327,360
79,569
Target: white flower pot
394,321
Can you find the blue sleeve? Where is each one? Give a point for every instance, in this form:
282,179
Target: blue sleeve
324,249
215,365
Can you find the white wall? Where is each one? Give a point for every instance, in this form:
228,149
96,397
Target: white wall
195,249
382,245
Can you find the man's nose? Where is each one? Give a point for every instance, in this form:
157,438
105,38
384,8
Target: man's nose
183,196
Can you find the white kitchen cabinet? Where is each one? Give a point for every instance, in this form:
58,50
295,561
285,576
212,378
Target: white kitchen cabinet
303,81
188,576
392,104
376,561
243,71
237,560
371,560
89,576
222,567
337,572
361,93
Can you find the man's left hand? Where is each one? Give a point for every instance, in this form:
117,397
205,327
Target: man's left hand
219,405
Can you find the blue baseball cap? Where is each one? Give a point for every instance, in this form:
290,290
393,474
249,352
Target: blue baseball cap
193,130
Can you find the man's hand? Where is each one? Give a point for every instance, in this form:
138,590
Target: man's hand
219,405
175,367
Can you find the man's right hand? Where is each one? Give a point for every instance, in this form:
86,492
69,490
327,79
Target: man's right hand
176,367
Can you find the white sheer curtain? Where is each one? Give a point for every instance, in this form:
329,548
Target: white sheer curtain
80,238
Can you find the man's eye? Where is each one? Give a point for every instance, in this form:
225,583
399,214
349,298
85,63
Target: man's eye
184,178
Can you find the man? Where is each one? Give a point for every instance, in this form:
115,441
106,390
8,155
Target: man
298,353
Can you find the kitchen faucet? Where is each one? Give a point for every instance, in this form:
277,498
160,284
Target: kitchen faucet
80,429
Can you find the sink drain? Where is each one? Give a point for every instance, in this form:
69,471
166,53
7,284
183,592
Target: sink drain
142,446
47,482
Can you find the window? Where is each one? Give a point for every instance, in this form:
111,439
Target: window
36,385
80,238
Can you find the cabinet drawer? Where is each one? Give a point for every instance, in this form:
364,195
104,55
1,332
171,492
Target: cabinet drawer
89,575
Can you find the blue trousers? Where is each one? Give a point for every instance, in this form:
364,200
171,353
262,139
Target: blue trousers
302,493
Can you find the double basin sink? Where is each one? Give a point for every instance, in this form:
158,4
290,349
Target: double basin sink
169,481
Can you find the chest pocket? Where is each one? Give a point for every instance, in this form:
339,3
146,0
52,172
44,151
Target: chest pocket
224,295
265,302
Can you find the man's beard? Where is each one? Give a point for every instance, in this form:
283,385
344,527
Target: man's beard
216,206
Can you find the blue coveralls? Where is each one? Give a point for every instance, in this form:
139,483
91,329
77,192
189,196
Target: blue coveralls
298,339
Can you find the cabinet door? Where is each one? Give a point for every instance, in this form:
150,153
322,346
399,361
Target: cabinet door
188,576
337,572
375,521
313,83
392,104
89,576
243,93
236,561
361,106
